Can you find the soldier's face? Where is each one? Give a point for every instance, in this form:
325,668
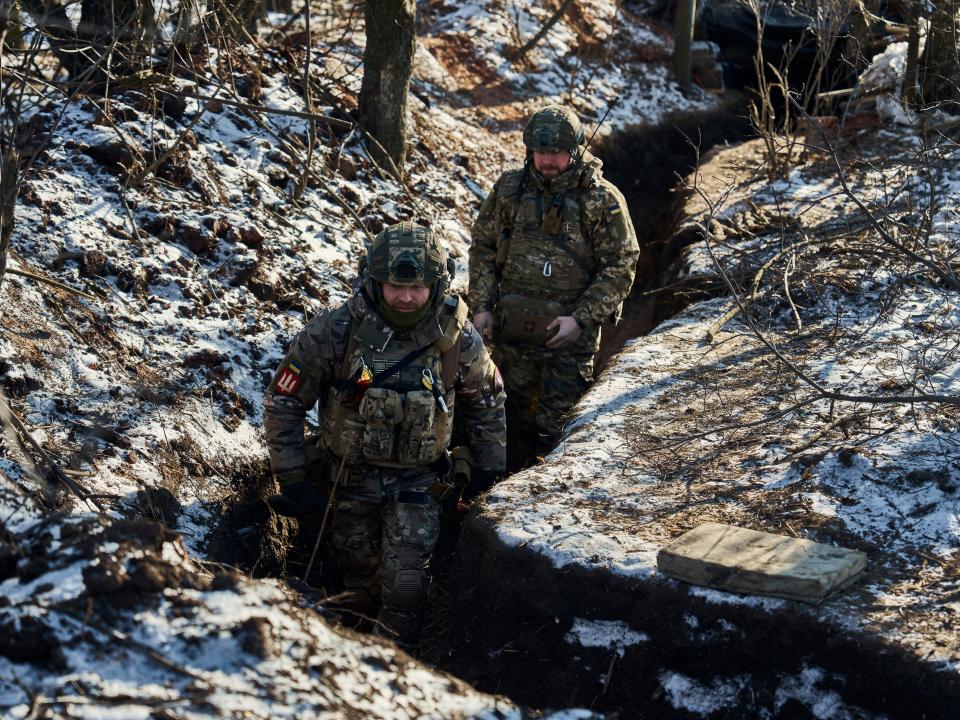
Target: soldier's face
551,164
405,298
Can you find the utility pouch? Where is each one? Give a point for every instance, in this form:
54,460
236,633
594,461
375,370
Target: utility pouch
418,437
551,222
503,247
524,320
381,409
462,460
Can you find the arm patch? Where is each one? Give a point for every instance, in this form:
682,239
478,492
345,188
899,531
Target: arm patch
288,379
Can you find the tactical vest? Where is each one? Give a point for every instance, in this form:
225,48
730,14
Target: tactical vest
536,263
396,419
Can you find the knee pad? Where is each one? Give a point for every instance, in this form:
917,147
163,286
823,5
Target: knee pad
407,590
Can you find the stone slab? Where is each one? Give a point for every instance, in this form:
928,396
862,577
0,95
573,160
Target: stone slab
757,563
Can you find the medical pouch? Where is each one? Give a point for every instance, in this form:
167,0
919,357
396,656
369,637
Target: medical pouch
524,320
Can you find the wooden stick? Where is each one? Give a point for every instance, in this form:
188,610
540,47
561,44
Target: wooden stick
53,283
531,43
335,122
74,486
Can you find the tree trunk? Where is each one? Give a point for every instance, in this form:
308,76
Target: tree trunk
913,54
387,65
117,28
8,201
51,19
239,15
11,26
940,68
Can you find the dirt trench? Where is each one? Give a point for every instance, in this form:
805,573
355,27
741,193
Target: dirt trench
645,162
508,634
500,617
507,612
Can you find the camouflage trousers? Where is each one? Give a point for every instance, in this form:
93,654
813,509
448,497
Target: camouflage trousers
542,385
384,534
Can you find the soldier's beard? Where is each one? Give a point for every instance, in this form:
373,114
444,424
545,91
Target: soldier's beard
404,320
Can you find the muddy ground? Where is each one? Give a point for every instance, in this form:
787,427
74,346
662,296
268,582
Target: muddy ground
513,610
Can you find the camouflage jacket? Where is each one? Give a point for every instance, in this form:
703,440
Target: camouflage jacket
309,373
588,265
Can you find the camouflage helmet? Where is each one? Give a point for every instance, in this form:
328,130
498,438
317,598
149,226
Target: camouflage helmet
406,253
554,129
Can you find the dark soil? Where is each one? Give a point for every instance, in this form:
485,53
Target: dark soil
513,609
645,162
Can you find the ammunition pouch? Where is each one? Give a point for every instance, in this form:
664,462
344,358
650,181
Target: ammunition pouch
524,320
418,437
381,409
462,470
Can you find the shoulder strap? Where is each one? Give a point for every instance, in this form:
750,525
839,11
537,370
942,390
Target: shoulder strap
585,264
503,242
341,370
450,365
449,344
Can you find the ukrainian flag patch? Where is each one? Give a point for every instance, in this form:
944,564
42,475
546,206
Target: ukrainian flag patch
614,209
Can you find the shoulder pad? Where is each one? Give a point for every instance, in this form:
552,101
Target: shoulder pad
509,184
341,321
453,314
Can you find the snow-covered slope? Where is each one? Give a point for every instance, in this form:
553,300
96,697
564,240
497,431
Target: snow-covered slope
702,421
191,242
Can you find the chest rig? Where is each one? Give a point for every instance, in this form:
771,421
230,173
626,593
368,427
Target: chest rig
392,399
544,251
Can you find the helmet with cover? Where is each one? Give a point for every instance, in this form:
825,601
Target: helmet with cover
406,253
554,129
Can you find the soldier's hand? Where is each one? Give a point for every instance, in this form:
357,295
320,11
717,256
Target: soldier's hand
567,331
481,481
298,496
483,322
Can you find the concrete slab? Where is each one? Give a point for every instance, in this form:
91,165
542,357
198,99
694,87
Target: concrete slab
739,560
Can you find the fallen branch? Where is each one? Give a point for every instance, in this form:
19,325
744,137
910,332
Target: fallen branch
754,286
29,465
52,283
945,274
741,307
286,148
541,33
77,489
824,392
326,119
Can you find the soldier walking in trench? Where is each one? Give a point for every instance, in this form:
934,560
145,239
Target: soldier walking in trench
388,368
554,255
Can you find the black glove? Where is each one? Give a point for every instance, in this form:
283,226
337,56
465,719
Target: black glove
298,496
480,482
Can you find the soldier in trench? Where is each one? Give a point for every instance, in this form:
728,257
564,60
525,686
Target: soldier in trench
388,368
553,257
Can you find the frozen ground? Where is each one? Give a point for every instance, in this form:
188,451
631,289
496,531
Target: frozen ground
147,391
702,421
194,244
